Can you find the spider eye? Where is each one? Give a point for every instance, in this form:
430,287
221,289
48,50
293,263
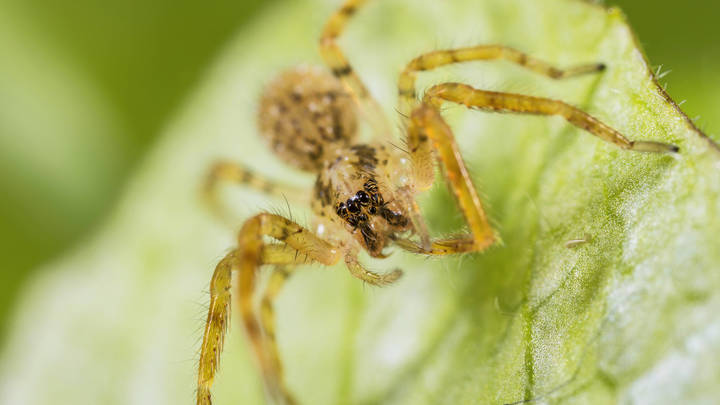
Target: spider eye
372,210
353,206
362,218
370,186
363,197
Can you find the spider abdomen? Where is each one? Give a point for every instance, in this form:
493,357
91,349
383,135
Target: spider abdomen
304,114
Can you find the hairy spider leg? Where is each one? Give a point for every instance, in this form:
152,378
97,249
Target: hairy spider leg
235,173
267,319
250,249
414,211
215,326
335,58
428,135
281,254
246,259
517,103
360,272
431,60
428,131
299,246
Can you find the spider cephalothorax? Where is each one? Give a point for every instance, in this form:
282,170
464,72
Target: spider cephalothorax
364,197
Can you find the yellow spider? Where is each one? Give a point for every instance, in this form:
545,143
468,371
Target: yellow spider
364,195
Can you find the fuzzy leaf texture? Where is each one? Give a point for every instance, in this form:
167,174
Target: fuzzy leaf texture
632,316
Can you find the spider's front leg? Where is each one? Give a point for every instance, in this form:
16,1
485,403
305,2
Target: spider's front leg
428,136
428,131
299,246
518,103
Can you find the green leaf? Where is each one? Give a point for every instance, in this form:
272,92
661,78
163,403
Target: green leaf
629,316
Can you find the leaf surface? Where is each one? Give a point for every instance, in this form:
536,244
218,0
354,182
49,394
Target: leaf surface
630,316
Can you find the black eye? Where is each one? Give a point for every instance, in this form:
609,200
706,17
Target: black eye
341,210
353,206
370,186
372,210
362,218
363,197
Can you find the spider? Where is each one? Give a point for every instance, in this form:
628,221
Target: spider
364,195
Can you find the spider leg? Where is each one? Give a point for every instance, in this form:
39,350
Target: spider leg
280,254
340,66
441,247
233,173
267,318
359,271
229,172
246,260
215,326
428,131
428,135
435,59
518,103
415,214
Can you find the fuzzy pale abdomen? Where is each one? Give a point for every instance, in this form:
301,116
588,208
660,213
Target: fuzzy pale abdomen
304,113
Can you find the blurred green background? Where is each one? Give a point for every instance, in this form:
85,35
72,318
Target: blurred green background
86,87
